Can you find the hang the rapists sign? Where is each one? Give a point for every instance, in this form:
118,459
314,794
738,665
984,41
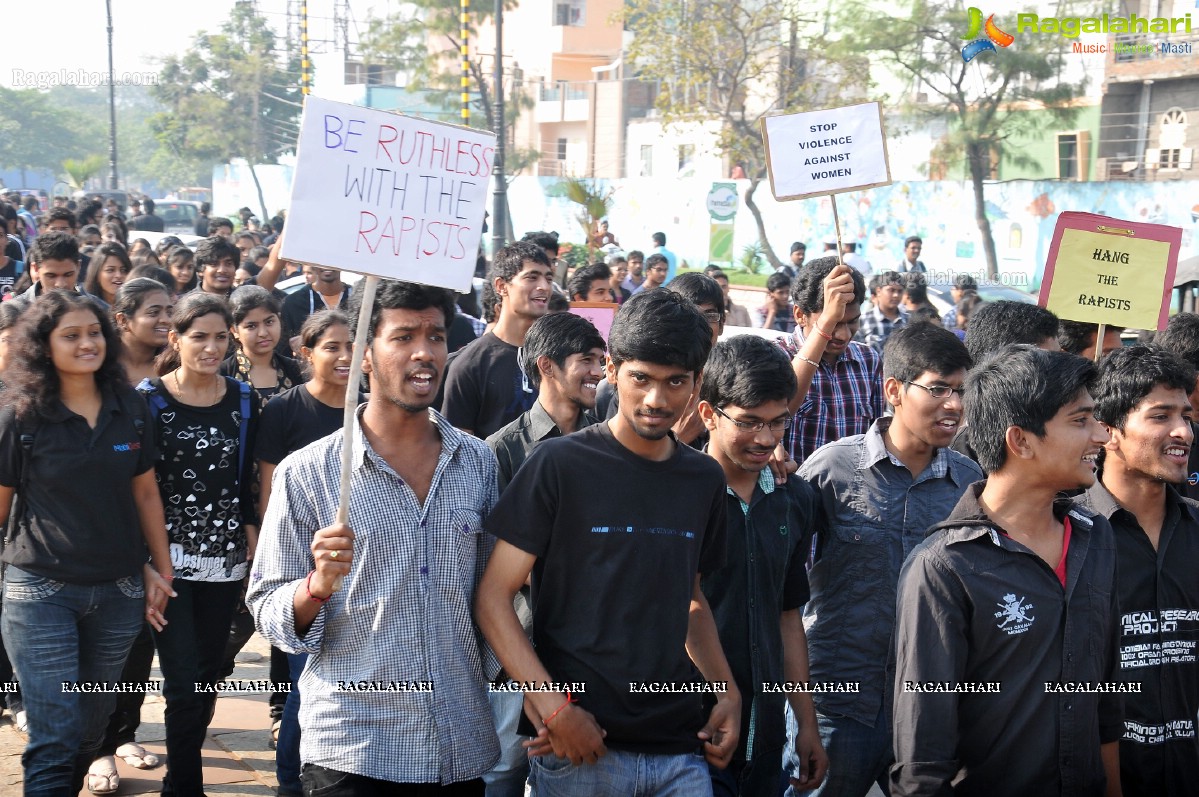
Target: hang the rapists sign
394,196
1103,270
825,152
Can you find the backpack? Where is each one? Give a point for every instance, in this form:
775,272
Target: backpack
157,404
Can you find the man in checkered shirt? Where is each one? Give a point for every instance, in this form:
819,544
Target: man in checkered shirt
393,692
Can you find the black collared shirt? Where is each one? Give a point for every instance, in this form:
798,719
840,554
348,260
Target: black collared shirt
1159,640
976,608
79,521
763,576
513,443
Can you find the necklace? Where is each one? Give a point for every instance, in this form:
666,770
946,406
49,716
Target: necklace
179,391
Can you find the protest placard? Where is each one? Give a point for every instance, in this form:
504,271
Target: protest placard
827,151
1110,271
388,195
599,313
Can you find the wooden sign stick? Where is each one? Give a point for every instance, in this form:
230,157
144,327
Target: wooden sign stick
369,287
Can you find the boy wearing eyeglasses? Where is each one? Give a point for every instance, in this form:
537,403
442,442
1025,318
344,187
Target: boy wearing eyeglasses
757,594
878,494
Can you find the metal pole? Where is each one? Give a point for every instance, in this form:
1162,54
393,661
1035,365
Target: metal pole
305,64
499,222
464,35
112,108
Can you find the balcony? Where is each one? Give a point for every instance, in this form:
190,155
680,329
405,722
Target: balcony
1152,56
563,102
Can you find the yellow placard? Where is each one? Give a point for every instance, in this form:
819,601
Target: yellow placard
1109,279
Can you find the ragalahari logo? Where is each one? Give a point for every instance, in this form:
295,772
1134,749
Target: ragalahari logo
979,44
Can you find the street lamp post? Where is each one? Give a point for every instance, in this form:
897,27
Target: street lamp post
499,221
112,109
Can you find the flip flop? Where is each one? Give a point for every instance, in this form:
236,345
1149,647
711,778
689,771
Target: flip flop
102,777
275,726
136,756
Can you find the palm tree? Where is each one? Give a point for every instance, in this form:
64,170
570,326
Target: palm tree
80,171
594,203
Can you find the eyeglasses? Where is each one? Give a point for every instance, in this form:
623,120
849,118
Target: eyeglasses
940,391
713,316
777,425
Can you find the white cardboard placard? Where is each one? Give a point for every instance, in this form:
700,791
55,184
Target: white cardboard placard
394,196
815,153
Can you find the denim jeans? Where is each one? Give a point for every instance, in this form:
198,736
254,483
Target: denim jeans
127,715
858,756
190,651
507,778
287,751
622,774
58,632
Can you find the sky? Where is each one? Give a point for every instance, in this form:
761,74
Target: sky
144,32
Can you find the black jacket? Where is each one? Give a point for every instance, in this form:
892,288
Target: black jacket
978,610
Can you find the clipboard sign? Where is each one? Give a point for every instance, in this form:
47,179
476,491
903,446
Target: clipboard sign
1109,271
599,313
815,153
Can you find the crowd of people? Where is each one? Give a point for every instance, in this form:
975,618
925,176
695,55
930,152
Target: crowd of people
881,549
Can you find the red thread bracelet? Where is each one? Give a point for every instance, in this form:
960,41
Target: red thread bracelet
569,700
308,589
821,332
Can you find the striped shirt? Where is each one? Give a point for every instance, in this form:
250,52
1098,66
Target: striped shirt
401,626
844,399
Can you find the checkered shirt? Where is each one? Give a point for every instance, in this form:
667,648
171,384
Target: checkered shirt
403,614
844,399
876,327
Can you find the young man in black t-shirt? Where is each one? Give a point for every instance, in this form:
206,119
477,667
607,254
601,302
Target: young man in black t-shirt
620,623
1142,398
485,388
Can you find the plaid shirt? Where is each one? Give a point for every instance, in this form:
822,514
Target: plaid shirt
403,615
876,328
844,398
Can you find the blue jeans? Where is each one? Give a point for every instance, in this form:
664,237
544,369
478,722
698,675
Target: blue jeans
507,778
58,632
859,756
191,649
622,774
287,751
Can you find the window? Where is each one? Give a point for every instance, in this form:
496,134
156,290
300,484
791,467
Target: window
647,160
686,153
561,149
1172,136
570,12
1073,155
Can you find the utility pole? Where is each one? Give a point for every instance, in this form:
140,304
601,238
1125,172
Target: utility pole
112,109
499,221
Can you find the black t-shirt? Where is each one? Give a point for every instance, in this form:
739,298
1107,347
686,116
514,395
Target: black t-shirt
147,222
80,522
292,420
207,502
485,390
301,304
613,580
8,277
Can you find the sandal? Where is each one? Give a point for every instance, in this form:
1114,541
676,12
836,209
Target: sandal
136,756
275,725
102,777
20,721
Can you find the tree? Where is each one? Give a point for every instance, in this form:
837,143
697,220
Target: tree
736,61
426,46
231,96
80,170
594,203
925,44
36,134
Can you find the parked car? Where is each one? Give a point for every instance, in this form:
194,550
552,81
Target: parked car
178,215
